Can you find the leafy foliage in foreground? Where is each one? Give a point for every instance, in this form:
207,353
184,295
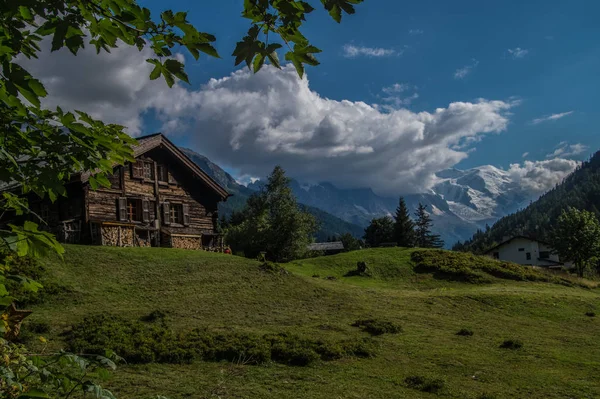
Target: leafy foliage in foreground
50,375
475,269
140,342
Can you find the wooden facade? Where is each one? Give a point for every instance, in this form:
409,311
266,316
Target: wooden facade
162,199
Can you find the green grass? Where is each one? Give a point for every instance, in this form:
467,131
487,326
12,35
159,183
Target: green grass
559,357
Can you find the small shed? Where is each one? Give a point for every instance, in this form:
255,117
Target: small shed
329,248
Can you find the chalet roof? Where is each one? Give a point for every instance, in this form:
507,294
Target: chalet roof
326,246
158,140
513,238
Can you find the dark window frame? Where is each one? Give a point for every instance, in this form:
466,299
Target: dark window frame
163,173
176,213
148,170
528,255
134,210
544,254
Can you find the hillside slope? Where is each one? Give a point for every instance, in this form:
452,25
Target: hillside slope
581,190
231,295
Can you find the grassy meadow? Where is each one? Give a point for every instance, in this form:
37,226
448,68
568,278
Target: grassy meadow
318,299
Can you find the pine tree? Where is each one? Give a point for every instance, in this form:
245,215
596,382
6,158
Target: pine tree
404,227
424,237
273,222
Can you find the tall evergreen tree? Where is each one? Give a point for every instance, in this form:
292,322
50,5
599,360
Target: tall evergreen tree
424,238
273,222
404,227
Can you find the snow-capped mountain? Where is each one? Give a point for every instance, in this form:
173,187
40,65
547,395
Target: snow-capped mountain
481,194
460,202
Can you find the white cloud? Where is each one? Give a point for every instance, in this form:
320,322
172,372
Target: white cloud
396,88
537,177
111,86
395,97
525,155
415,32
462,73
552,117
352,51
564,149
517,52
252,122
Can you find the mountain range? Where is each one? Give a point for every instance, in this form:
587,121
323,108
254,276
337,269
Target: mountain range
581,190
461,202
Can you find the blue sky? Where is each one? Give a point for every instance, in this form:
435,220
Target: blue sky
559,72
404,90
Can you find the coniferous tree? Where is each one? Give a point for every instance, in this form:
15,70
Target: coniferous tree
380,230
273,222
404,227
424,238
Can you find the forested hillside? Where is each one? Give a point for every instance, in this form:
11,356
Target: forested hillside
581,190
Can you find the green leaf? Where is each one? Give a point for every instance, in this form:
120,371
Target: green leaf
274,58
37,88
155,74
176,68
25,13
259,61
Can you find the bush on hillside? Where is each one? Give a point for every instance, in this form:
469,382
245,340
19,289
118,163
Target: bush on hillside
139,342
425,384
465,332
377,327
470,268
27,266
511,344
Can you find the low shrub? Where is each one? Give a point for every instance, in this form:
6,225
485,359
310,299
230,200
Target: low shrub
377,327
590,314
153,316
474,269
465,332
37,327
425,384
511,344
273,268
139,342
32,269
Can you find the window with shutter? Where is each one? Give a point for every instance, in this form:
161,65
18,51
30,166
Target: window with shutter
186,214
122,208
145,211
166,213
137,170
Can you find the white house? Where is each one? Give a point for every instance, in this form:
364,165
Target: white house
525,251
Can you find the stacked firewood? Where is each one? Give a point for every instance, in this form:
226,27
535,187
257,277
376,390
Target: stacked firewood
110,235
186,242
118,236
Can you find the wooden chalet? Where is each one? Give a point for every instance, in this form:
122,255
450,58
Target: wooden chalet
162,199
